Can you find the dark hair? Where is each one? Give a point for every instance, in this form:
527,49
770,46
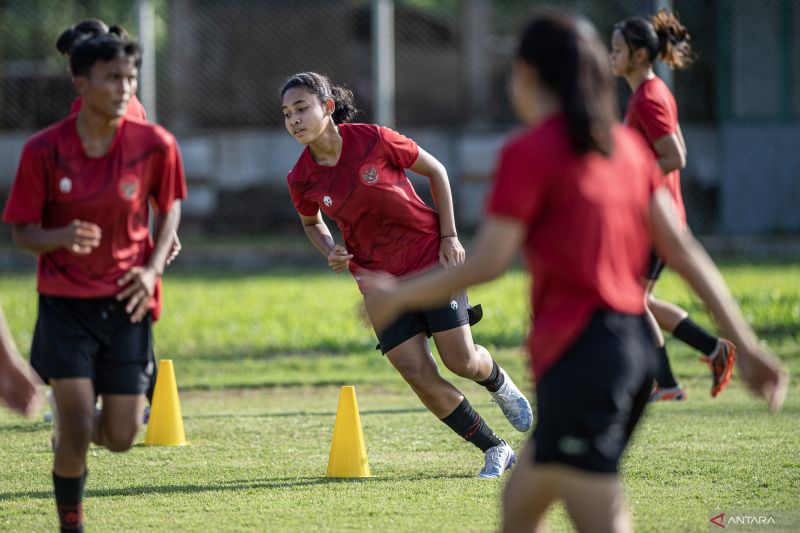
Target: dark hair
119,31
345,106
663,36
104,47
88,28
571,61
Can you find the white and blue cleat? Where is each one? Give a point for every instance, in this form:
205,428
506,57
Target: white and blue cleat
498,459
515,407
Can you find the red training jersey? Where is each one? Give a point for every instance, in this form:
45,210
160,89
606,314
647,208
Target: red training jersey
586,217
135,108
385,224
57,182
653,112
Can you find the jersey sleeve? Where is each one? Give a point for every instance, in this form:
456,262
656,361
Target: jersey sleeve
518,190
170,181
304,206
655,118
28,194
399,149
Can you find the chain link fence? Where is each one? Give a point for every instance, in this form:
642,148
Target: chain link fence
219,66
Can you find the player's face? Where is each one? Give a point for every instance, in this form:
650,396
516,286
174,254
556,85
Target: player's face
109,86
304,115
621,62
521,87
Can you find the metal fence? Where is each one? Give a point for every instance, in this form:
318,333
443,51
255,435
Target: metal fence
218,67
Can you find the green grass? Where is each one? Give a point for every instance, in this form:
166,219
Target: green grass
259,448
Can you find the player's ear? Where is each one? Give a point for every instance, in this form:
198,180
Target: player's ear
81,83
330,106
640,56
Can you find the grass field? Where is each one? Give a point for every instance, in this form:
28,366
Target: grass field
258,359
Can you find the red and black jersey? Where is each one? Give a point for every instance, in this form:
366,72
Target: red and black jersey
385,224
57,183
586,217
653,112
135,108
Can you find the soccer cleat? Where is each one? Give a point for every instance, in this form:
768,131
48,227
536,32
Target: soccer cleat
721,365
498,459
667,394
55,425
513,403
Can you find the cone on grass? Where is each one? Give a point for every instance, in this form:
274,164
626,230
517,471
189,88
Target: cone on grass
165,426
348,456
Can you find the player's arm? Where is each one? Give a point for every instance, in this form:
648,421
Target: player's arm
496,244
139,282
79,237
18,382
450,250
671,151
320,236
681,251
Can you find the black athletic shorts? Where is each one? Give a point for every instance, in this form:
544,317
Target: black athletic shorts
93,338
590,401
655,267
451,315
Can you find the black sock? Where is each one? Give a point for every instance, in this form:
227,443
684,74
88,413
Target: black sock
695,336
664,376
465,421
495,379
152,386
69,502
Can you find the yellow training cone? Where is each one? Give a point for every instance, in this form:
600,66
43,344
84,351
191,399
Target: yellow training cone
348,455
165,427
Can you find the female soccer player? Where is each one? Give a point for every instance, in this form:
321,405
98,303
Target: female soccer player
18,381
354,173
581,195
80,202
92,28
635,45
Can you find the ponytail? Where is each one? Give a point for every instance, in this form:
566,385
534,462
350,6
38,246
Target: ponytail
571,62
88,28
662,36
343,100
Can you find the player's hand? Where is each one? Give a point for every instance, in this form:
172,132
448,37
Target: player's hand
81,237
763,374
19,386
140,285
381,299
451,253
339,259
175,250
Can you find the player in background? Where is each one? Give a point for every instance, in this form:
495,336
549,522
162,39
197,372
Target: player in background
80,203
18,381
635,45
355,174
583,197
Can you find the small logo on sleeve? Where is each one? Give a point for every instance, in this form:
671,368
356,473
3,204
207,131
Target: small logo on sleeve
327,201
65,185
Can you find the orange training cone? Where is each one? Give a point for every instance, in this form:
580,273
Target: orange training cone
165,427
348,454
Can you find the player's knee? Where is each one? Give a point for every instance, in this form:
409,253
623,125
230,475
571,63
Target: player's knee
121,438
76,431
417,373
468,363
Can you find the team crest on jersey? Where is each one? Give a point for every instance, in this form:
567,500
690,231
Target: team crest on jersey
65,185
369,174
327,201
129,187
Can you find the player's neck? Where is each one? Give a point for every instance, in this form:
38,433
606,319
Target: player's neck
96,131
327,148
639,76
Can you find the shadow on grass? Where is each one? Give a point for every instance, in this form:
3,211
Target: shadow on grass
363,412
236,485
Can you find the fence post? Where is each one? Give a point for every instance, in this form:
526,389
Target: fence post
383,82
477,20
146,26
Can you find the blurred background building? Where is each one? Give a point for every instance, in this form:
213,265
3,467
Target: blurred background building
434,69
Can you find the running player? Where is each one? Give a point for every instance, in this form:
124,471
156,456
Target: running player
18,381
354,173
581,195
80,202
635,45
